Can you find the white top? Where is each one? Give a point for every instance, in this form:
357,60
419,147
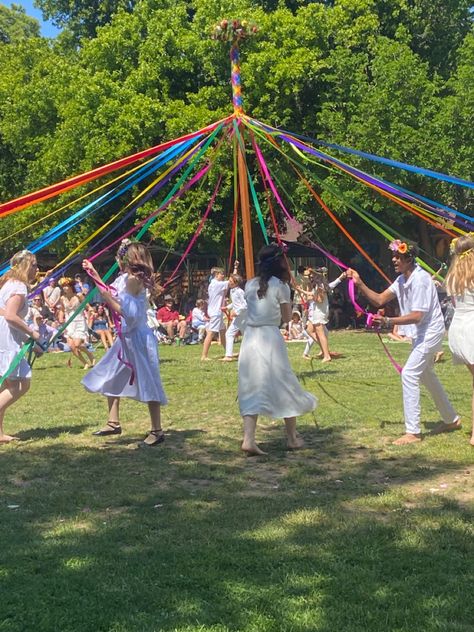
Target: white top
237,296
12,339
216,292
120,283
266,310
461,331
198,317
52,295
418,294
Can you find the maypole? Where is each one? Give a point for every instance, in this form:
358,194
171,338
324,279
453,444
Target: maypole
233,31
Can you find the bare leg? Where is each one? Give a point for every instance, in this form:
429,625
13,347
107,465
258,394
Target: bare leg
471,369
109,337
113,421
11,391
75,351
323,342
248,444
82,347
293,438
103,338
206,345
312,332
156,435
222,337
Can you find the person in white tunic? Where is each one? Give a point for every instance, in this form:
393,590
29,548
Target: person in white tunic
76,331
419,306
238,311
267,384
460,286
130,368
14,331
216,294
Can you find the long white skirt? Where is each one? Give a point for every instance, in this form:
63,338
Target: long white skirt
267,384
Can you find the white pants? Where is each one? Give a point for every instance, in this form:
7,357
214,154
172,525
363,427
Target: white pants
230,334
419,369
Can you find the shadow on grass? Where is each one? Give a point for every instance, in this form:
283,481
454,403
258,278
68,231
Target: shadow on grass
51,433
195,537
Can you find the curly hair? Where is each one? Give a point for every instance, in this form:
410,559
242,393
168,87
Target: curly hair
460,275
271,262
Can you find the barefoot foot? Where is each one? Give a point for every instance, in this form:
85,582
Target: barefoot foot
442,427
252,449
4,438
407,438
295,443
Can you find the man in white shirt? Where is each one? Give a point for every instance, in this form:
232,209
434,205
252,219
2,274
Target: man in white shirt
419,306
216,293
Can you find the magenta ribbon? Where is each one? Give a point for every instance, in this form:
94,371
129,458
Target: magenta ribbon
117,325
270,181
196,234
177,195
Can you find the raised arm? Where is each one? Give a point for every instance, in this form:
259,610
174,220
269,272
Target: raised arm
106,295
379,299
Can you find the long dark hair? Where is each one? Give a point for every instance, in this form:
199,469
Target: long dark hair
271,262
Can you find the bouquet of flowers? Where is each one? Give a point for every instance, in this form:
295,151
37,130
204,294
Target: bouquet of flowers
233,30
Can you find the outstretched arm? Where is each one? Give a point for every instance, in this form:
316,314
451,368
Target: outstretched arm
106,295
379,299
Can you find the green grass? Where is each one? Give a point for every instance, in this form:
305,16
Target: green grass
350,534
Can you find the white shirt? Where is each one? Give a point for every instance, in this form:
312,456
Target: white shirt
198,317
418,294
237,296
266,310
216,292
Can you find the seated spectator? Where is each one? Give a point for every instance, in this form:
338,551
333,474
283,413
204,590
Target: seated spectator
80,286
100,322
168,317
199,319
296,329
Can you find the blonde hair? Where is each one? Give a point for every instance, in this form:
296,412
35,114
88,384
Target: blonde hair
460,275
19,266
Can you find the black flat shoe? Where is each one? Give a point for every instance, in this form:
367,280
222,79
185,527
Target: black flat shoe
160,437
115,429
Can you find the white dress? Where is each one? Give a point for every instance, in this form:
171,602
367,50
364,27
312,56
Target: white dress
461,331
267,384
11,339
137,346
77,328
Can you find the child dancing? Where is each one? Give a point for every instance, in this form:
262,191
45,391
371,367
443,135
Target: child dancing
460,286
238,310
130,368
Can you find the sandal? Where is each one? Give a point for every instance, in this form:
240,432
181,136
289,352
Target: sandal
160,437
115,429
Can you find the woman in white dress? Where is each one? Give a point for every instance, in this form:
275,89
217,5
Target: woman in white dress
76,331
131,367
460,286
14,332
267,384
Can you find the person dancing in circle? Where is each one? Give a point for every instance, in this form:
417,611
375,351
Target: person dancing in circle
130,368
419,306
460,286
14,331
267,384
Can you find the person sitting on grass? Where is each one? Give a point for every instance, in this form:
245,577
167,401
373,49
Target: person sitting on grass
419,306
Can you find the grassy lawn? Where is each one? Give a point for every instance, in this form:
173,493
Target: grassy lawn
349,534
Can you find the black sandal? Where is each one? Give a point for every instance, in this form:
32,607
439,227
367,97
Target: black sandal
115,429
160,437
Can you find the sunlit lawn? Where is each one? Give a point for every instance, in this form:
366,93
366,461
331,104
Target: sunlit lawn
349,534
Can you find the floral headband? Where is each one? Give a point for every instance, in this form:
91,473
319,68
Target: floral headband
452,247
124,246
401,247
65,281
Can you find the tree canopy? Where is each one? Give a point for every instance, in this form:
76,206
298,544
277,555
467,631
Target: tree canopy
392,77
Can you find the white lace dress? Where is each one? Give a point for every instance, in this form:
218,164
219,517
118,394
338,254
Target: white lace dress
11,339
267,384
461,331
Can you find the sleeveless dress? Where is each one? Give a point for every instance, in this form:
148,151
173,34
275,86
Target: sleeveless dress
137,346
267,384
77,329
11,339
461,331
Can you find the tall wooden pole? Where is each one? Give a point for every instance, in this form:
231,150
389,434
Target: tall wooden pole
245,208
241,164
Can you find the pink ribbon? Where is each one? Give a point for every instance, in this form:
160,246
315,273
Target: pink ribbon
270,181
117,325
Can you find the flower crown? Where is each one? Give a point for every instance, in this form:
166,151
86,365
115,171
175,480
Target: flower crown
123,248
401,247
64,281
452,247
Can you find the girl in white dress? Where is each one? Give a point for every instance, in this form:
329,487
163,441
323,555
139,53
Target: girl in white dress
318,313
76,331
130,368
267,384
14,332
460,285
